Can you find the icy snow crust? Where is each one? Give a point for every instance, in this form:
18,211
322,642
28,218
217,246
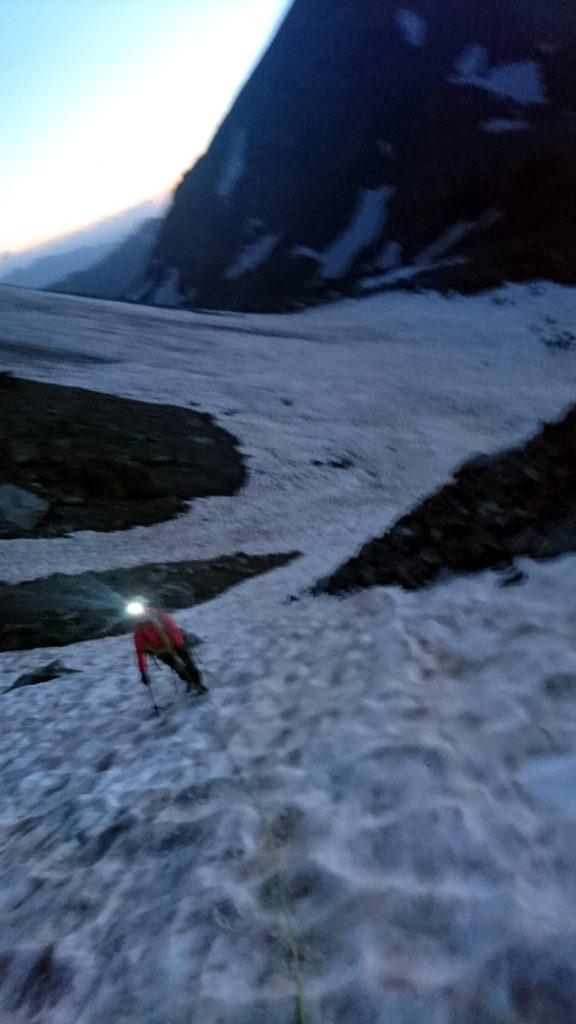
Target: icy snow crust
386,736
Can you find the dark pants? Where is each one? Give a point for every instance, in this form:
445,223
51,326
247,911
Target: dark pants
180,661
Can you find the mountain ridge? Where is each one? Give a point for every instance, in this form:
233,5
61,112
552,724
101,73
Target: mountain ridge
367,137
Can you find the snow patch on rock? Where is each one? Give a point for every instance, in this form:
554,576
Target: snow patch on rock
405,273
168,293
234,167
518,80
305,250
472,62
446,241
367,222
413,26
252,256
501,125
390,256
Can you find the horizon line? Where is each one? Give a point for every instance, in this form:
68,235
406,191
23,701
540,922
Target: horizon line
158,198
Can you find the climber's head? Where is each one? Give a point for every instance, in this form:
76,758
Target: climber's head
138,609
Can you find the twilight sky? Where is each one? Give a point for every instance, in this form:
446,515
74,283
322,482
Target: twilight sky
104,103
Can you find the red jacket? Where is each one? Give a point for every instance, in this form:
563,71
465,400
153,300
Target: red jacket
159,635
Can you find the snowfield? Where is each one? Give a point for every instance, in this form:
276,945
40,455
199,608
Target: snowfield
399,747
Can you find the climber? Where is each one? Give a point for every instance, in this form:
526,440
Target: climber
158,635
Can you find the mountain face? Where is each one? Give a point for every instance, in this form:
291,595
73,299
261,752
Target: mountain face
380,141
52,261
45,270
120,273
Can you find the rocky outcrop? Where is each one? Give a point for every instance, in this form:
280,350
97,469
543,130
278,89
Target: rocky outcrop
73,459
20,510
381,141
64,609
497,508
43,674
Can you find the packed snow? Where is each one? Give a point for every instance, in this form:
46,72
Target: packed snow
392,742
414,28
518,80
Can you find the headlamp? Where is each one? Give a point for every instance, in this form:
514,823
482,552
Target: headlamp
135,607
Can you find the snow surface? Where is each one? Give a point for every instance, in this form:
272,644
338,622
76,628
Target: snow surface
519,80
385,736
552,779
367,222
414,28
235,165
252,256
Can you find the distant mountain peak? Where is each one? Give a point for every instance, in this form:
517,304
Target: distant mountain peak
381,141
378,144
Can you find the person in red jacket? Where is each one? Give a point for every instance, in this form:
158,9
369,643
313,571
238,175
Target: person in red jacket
157,634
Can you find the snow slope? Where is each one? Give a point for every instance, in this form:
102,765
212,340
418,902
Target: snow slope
384,736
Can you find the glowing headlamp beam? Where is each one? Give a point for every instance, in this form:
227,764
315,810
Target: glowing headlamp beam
135,608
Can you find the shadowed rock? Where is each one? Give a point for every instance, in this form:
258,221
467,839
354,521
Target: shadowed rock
64,609
44,674
497,508
72,459
19,509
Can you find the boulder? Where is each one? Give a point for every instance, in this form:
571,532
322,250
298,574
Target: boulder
103,462
21,509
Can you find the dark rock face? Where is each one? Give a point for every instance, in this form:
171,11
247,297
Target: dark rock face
522,502
19,509
43,265
101,462
64,609
379,136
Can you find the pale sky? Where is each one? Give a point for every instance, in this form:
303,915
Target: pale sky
104,103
